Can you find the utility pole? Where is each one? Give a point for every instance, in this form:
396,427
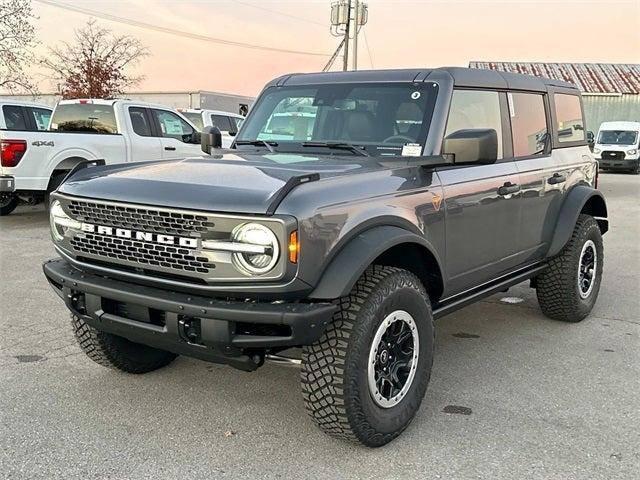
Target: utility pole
347,17
356,26
345,58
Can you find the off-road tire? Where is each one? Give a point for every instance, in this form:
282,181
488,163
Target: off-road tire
117,352
334,370
557,287
9,206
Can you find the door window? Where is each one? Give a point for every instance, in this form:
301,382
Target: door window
172,126
222,122
528,124
41,117
139,122
475,109
569,124
14,118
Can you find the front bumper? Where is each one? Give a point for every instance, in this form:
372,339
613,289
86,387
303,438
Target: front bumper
626,164
232,332
7,184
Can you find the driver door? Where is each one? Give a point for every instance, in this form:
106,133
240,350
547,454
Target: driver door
177,136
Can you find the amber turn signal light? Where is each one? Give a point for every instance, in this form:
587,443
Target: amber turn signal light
294,247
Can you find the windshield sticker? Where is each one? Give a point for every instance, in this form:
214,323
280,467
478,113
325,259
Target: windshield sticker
415,95
411,150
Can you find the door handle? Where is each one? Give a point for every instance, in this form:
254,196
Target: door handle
556,178
508,188
171,149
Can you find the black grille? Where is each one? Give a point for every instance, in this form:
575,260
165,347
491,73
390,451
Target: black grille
145,253
610,155
138,218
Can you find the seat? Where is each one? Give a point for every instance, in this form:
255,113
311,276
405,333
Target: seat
358,126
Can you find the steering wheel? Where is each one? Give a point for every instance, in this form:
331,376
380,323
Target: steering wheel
398,139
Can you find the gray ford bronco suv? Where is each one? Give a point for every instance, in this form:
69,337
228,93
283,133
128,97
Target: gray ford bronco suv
351,211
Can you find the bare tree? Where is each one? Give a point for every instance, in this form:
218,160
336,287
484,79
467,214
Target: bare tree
16,43
95,65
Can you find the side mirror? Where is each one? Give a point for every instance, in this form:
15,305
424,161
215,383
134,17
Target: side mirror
476,145
210,138
196,137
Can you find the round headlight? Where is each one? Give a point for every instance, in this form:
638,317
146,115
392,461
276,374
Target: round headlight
55,213
254,234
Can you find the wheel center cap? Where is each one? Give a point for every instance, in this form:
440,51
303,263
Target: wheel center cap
384,357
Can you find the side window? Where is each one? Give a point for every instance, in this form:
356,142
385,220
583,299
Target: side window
222,122
528,123
475,109
41,116
14,118
139,122
568,118
172,126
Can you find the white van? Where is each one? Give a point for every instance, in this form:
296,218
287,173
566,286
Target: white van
228,123
617,146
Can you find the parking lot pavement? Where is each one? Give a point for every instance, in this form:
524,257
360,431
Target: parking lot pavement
528,397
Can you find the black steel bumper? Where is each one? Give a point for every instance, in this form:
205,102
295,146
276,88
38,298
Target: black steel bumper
232,332
7,184
622,164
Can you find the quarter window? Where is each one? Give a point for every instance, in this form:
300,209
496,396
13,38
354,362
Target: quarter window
569,124
14,118
41,117
475,109
528,124
139,122
172,126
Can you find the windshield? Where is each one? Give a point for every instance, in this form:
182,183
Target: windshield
84,118
195,118
618,137
380,119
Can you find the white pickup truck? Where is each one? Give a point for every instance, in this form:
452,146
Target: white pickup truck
228,123
33,163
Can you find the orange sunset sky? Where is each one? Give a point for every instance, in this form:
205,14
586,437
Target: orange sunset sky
400,33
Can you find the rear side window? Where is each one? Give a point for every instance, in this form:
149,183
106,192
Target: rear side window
139,122
14,117
84,118
569,123
475,109
528,123
41,117
172,126
222,122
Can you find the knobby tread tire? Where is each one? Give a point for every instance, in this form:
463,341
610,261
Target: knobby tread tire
324,363
556,287
116,352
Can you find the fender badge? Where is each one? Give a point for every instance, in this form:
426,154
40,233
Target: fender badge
436,201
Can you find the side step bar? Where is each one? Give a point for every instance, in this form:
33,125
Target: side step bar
459,301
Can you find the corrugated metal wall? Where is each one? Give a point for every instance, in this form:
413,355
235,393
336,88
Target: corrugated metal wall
605,108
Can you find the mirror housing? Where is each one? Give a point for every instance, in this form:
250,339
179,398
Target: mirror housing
474,145
210,138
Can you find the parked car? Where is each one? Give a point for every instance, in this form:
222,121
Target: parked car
417,193
617,146
34,162
228,123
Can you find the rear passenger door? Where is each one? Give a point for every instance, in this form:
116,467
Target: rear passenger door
482,218
144,145
539,183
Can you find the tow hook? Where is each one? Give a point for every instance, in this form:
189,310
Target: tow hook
190,330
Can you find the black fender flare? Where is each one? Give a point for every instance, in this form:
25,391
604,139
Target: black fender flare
581,198
346,267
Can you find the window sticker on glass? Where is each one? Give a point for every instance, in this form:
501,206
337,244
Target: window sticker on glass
172,126
415,95
411,150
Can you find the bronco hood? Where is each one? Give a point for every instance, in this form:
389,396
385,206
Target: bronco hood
235,182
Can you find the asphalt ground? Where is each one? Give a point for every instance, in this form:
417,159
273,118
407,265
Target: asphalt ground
513,394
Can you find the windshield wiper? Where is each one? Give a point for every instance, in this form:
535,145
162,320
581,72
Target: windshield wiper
258,143
338,146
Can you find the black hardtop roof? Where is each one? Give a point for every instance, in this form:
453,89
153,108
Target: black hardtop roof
461,77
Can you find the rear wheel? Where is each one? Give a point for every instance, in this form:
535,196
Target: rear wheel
567,290
117,352
8,203
365,378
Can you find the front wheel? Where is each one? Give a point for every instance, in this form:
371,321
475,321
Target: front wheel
365,378
567,290
8,203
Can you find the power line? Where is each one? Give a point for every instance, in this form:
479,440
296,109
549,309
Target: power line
301,19
171,31
366,42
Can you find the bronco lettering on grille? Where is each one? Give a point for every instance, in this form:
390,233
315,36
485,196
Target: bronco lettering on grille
142,236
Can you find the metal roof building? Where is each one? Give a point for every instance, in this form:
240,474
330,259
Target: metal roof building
610,91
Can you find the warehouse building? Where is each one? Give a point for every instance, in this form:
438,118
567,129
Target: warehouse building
226,102
610,91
